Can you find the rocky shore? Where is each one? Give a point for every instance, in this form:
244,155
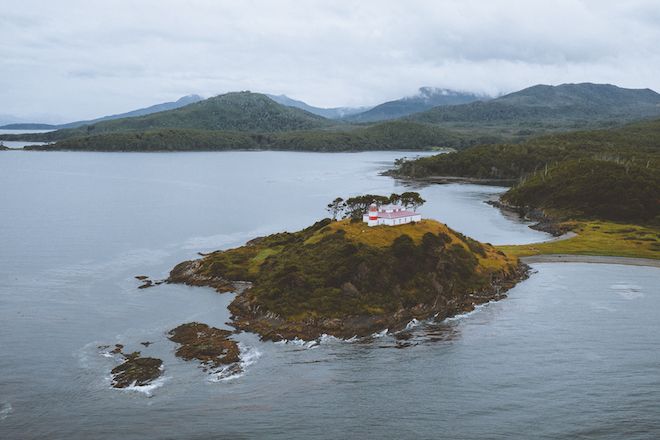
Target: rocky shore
544,223
345,280
248,317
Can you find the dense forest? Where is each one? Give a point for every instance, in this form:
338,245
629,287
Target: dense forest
638,143
395,135
588,188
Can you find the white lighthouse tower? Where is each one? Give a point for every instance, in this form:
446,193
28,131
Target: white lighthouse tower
373,215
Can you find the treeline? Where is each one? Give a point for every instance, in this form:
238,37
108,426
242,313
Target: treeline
637,143
356,207
621,191
396,135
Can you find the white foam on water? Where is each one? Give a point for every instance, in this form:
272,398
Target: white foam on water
5,410
412,324
476,309
248,357
628,291
380,334
146,389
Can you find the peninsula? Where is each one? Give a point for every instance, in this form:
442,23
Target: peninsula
346,278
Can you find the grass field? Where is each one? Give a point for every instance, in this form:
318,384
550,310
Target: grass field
598,238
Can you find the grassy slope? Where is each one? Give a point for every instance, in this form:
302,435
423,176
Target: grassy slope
340,268
598,238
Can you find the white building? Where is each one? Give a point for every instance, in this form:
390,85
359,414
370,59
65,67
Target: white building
390,215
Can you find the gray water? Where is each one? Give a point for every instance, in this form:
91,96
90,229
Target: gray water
574,352
21,144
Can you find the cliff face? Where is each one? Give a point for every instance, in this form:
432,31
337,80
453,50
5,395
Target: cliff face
346,279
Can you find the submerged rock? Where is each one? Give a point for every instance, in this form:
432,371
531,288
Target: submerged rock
209,345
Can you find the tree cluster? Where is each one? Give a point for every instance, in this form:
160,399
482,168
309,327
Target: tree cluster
356,207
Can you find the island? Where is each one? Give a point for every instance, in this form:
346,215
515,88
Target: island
345,278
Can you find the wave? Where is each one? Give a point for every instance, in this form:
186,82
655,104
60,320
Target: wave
248,357
146,389
5,410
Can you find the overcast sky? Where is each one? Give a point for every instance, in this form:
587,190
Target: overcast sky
72,59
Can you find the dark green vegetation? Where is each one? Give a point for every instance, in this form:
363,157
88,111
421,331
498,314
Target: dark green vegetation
542,109
240,111
346,279
638,143
606,174
247,120
593,189
395,135
427,98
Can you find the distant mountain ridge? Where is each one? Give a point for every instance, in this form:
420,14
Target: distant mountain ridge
330,113
426,98
235,111
553,104
181,102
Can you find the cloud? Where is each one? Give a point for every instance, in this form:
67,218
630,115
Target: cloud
80,59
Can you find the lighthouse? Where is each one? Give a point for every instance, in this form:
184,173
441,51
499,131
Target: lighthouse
373,215
390,215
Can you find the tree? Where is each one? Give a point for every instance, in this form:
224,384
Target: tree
335,207
357,206
412,200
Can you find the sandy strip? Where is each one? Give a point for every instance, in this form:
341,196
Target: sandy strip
564,258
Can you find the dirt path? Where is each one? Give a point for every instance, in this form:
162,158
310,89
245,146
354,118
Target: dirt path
564,258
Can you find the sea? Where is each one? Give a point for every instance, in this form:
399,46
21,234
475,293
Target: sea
572,353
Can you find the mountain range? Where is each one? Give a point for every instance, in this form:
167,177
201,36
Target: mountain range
426,98
330,113
562,105
533,111
181,102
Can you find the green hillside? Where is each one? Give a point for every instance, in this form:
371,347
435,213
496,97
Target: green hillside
543,108
596,189
239,111
638,143
395,135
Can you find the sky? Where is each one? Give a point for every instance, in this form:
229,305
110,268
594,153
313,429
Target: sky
74,59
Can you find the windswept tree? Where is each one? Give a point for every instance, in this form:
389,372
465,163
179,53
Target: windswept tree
335,207
412,200
356,207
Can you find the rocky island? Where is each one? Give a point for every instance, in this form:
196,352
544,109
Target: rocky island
342,278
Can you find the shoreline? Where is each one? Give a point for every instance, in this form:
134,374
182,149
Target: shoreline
592,259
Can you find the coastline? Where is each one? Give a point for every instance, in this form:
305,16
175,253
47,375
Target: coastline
593,259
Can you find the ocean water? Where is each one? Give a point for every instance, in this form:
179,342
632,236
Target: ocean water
574,351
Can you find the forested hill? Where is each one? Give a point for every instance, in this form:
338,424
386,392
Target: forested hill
566,105
237,111
393,135
639,142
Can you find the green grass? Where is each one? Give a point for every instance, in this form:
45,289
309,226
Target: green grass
598,238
